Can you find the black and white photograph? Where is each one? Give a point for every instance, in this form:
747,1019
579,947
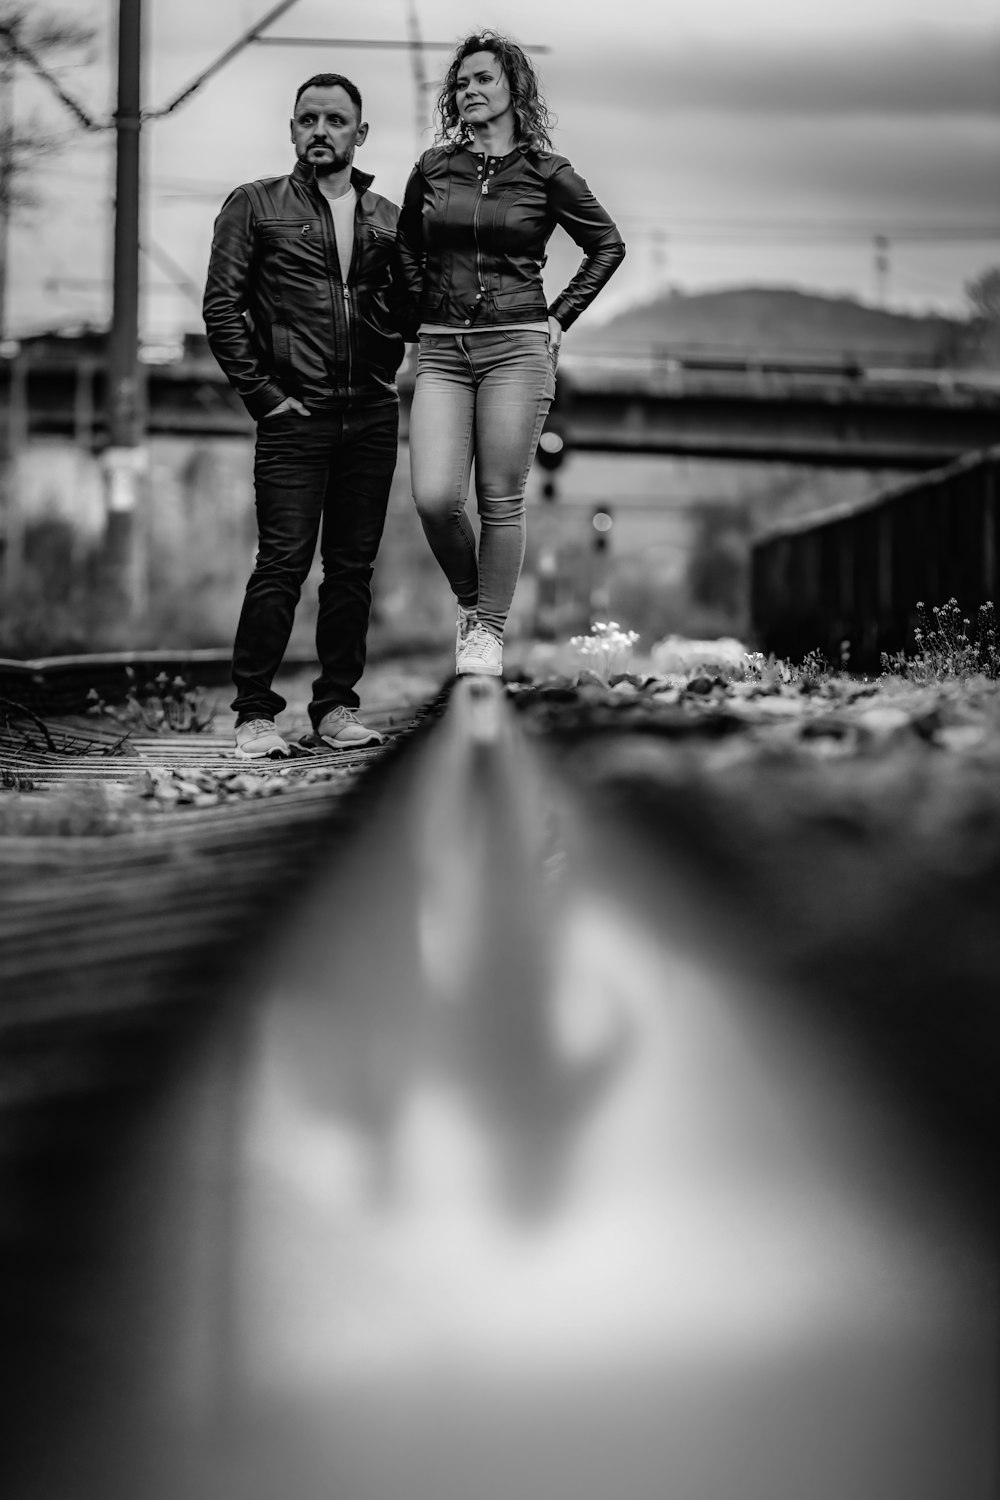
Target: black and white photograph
499,750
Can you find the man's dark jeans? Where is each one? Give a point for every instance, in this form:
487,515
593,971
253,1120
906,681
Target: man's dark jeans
324,475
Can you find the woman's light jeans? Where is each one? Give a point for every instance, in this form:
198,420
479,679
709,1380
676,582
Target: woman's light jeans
483,397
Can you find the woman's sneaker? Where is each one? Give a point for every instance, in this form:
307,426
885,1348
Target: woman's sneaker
482,654
257,739
466,625
342,729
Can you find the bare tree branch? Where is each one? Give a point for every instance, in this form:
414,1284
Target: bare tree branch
983,295
30,37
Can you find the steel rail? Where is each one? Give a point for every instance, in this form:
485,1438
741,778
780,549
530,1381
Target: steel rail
141,919
499,1174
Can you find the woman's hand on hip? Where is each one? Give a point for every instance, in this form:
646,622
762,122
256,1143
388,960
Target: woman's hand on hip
555,333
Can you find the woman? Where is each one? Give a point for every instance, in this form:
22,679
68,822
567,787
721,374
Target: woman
478,212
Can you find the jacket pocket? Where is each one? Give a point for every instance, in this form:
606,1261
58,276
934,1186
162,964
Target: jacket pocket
378,234
374,248
281,347
288,229
521,299
433,307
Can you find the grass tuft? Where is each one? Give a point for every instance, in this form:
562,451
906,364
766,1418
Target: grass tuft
165,705
949,646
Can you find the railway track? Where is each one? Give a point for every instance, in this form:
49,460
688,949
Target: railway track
418,1132
105,929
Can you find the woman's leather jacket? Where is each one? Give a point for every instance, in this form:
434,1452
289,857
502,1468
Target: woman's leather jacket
473,231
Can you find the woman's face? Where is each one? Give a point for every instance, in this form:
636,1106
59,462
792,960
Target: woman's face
481,89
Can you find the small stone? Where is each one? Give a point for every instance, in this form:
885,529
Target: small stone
677,653
771,706
187,791
961,737
884,722
825,728
242,783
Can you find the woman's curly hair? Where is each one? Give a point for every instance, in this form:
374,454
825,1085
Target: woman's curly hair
532,120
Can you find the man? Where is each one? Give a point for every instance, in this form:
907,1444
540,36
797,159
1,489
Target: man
298,307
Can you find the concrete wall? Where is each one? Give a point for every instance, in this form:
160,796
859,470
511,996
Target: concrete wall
195,540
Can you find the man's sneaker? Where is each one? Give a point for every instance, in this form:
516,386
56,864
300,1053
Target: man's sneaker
464,628
342,729
482,654
257,739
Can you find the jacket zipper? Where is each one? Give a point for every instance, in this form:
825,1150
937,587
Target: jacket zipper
475,231
346,294
333,262
347,314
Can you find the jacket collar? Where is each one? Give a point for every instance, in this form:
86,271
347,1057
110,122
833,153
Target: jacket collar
360,181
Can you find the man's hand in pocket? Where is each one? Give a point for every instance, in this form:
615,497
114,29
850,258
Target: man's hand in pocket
289,404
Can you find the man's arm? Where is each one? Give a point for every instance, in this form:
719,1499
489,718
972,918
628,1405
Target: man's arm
226,297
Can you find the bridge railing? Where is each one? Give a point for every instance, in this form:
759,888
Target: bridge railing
847,581
689,363
679,400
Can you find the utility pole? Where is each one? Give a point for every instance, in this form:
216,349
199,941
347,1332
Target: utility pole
661,260
881,244
419,71
9,422
125,457
6,167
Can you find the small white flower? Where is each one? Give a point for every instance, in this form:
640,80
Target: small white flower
605,644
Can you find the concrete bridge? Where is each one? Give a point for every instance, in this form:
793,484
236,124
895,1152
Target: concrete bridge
833,411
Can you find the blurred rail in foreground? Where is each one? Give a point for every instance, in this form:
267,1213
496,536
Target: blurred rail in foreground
500,1172
856,573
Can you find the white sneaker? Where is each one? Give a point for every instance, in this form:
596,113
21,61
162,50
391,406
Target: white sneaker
257,739
342,729
464,628
481,655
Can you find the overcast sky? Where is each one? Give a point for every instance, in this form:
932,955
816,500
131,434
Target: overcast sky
734,142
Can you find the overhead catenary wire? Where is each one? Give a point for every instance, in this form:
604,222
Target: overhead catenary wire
722,231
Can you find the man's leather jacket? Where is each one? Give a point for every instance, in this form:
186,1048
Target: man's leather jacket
280,319
473,231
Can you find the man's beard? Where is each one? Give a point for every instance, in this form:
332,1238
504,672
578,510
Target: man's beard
325,167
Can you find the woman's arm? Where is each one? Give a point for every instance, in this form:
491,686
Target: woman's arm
408,264
590,225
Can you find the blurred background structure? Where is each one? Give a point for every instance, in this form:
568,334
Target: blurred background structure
802,235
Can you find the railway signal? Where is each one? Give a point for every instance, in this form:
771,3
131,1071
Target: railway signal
602,522
551,449
550,454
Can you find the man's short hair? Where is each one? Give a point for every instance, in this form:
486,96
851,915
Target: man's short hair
332,81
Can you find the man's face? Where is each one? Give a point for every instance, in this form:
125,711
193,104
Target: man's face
326,129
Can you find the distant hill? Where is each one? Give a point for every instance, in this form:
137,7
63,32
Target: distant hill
777,320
